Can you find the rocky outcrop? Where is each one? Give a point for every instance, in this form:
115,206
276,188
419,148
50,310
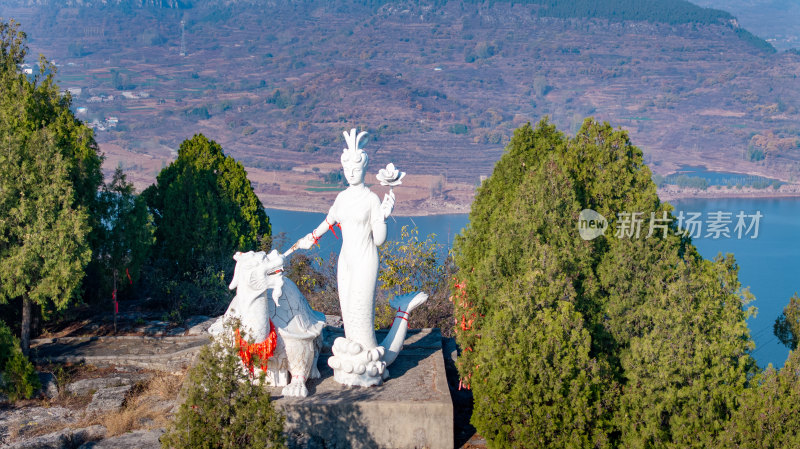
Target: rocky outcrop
90,386
19,423
49,385
138,439
63,439
108,399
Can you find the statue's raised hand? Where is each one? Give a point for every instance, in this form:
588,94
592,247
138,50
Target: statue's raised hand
387,206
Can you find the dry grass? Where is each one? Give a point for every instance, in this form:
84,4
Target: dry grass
146,406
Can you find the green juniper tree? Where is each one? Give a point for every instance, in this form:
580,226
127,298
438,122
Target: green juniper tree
18,379
31,103
787,325
204,207
769,413
223,407
126,236
43,236
50,172
612,342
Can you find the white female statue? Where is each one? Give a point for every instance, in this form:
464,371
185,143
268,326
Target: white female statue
361,216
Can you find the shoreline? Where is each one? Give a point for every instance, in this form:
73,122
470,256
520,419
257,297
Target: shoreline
398,212
414,209
674,194
670,194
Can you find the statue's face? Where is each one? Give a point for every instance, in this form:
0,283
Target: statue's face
354,174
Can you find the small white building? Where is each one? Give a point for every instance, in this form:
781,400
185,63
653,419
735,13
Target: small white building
133,95
95,124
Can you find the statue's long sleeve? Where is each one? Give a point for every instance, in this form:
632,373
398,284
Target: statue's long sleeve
378,224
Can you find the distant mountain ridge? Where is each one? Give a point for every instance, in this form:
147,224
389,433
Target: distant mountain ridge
439,86
659,11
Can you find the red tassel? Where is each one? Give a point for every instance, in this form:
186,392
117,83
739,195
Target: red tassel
130,281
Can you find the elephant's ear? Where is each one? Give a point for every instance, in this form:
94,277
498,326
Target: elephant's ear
236,272
258,280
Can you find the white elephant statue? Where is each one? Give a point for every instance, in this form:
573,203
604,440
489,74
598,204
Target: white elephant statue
286,331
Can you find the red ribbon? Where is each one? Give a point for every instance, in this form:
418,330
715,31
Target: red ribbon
130,281
401,316
330,226
264,350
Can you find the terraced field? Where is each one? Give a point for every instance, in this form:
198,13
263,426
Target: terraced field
440,89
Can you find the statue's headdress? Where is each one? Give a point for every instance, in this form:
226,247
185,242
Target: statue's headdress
353,155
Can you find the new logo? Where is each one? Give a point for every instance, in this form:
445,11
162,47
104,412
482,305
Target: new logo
591,224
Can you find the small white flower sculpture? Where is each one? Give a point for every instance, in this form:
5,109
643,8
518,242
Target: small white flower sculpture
390,176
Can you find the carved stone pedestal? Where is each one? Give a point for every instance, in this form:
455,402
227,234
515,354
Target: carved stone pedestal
354,366
412,408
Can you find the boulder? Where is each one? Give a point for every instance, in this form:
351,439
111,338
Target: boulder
49,385
26,420
156,328
108,398
198,325
63,439
89,386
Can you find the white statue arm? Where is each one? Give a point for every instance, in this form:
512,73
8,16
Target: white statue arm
387,206
310,239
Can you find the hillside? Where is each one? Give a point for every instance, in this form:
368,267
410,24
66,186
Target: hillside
440,87
777,21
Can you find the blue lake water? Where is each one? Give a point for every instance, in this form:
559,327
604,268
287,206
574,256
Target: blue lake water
298,224
769,264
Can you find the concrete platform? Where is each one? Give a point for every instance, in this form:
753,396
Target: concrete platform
412,409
